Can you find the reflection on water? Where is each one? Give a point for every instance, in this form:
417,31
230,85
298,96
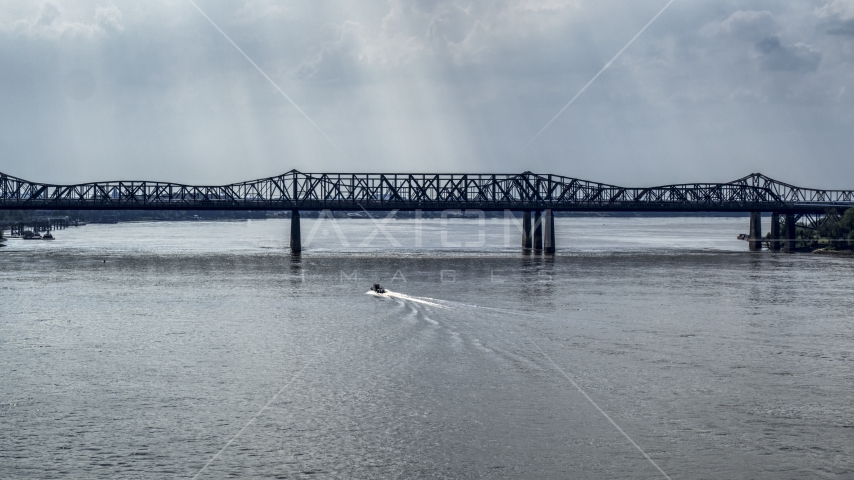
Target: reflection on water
716,361
579,235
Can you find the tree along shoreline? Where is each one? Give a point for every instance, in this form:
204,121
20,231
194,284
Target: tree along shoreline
835,234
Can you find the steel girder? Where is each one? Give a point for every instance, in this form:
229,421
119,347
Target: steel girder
355,191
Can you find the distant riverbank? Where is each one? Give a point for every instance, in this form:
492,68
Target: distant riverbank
833,235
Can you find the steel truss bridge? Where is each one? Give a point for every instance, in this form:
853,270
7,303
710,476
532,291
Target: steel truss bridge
354,191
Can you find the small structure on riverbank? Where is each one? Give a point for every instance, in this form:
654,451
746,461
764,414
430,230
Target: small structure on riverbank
18,229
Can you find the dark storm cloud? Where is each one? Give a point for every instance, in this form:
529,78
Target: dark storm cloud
840,27
795,58
838,17
711,91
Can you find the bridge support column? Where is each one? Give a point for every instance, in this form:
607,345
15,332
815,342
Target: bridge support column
538,231
775,232
548,232
790,239
296,238
755,238
527,235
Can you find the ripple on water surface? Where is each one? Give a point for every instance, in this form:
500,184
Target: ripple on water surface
144,349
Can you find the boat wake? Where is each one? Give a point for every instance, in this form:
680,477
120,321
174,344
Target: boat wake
446,304
453,304
402,296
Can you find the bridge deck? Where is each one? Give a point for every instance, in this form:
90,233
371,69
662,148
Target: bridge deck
339,191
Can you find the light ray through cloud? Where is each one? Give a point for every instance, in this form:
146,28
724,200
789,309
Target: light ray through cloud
598,74
262,72
712,91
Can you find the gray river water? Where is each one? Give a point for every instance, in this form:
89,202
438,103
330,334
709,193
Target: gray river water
204,350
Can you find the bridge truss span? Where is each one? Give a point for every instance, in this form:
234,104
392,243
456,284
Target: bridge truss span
377,191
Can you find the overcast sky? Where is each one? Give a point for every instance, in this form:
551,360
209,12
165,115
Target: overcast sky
711,91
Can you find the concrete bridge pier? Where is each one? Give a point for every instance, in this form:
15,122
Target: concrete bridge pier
790,237
548,232
527,234
755,237
296,239
538,231
775,232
